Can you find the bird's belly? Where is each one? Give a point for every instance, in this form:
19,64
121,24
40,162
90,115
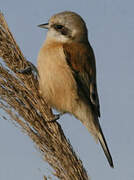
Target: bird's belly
58,86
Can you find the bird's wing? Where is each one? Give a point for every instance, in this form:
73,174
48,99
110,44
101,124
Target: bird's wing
80,58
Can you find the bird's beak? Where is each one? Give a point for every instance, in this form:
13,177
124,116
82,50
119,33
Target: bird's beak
45,26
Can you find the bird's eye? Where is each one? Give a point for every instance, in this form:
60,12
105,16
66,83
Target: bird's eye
61,29
58,26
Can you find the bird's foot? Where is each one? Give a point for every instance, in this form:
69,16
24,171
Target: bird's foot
29,69
56,117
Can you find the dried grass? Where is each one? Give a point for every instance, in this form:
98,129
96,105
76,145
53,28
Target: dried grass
20,99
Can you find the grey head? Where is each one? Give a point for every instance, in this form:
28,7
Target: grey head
66,27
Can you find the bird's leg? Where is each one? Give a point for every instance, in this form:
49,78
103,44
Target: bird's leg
56,117
29,69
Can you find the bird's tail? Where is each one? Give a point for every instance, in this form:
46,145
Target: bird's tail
91,122
105,147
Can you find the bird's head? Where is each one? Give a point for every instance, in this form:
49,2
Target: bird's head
66,27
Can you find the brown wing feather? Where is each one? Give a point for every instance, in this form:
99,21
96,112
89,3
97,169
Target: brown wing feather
80,58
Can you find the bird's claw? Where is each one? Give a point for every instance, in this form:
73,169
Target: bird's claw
29,69
26,70
56,117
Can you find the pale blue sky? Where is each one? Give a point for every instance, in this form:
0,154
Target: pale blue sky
111,28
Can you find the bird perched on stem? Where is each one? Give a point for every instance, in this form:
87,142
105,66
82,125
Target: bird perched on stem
67,72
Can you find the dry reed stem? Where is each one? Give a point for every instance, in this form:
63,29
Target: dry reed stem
20,99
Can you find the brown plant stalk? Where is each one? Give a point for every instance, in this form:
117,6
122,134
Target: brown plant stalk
20,99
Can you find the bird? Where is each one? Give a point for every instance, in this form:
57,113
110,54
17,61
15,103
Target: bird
67,73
